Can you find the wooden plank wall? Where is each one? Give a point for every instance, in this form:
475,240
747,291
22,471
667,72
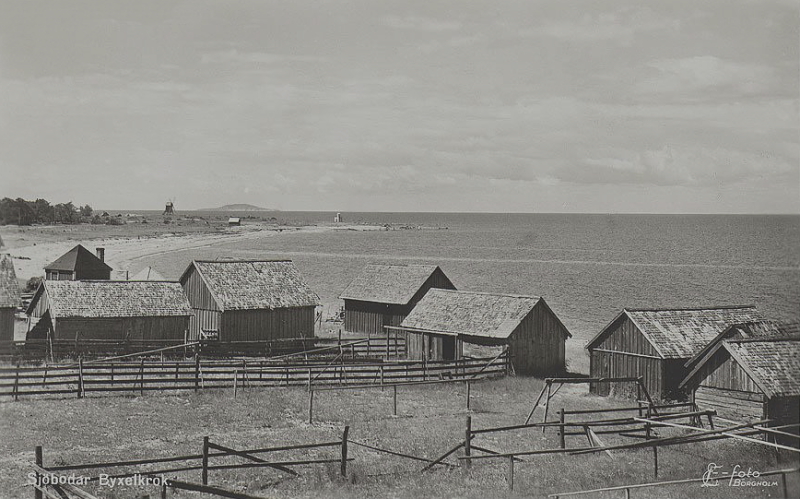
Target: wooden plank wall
267,325
785,410
421,346
626,352
7,324
537,345
206,313
723,385
133,328
364,317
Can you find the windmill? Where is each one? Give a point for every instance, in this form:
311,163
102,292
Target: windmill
169,208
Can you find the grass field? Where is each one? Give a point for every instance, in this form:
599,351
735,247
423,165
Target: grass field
431,420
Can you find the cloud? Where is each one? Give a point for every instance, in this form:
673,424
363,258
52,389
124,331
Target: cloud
622,26
682,166
420,23
235,56
707,74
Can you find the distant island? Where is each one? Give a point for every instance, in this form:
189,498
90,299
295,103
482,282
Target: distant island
238,207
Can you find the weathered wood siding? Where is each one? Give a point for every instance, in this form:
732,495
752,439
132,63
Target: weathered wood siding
626,352
421,346
370,317
537,345
123,328
267,325
724,386
6,328
206,314
784,411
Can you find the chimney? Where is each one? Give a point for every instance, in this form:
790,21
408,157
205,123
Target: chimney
101,254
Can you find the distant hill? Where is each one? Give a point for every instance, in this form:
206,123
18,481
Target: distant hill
238,207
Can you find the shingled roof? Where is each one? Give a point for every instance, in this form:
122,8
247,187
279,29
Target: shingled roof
109,299
254,284
9,288
390,284
749,330
682,332
77,257
773,364
469,313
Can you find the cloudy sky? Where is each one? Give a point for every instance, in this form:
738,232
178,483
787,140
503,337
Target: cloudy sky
412,105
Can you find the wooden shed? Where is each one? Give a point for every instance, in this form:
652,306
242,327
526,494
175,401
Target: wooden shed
656,344
444,319
135,311
249,300
383,295
78,264
9,301
751,379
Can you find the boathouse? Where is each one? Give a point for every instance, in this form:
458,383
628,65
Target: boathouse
383,295
751,379
9,301
79,264
444,320
656,344
141,312
248,300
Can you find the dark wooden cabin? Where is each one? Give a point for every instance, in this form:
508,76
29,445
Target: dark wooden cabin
9,301
383,295
79,264
656,344
125,311
249,300
748,380
445,319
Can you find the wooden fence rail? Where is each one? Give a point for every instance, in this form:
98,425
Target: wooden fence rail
82,379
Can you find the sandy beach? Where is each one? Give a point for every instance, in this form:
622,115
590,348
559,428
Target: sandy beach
32,248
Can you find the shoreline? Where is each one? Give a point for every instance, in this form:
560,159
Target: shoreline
32,248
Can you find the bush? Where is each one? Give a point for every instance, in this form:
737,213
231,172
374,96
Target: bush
33,284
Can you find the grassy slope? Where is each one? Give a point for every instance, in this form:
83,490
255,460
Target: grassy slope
432,420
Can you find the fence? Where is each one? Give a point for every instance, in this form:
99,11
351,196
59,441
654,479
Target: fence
86,378
33,349
196,462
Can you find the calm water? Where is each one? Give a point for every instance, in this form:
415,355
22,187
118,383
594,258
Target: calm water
588,267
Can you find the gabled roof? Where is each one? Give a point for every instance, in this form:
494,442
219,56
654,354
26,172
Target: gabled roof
77,257
110,299
469,313
148,274
773,363
679,333
389,284
9,288
254,284
748,330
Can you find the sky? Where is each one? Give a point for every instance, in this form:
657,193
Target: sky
619,106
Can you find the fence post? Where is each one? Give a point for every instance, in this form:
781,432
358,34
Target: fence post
309,379
235,381
344,450
394,400
381,377
141,379
561,435
205,461
785,487
310,406
37,494
16,385
388,332
468,442
469,386
80,378
511,473
655,460
627,493
196,372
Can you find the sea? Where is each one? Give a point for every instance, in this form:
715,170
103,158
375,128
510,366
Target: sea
588,267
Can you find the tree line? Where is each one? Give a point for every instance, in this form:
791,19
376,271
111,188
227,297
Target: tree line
21,212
